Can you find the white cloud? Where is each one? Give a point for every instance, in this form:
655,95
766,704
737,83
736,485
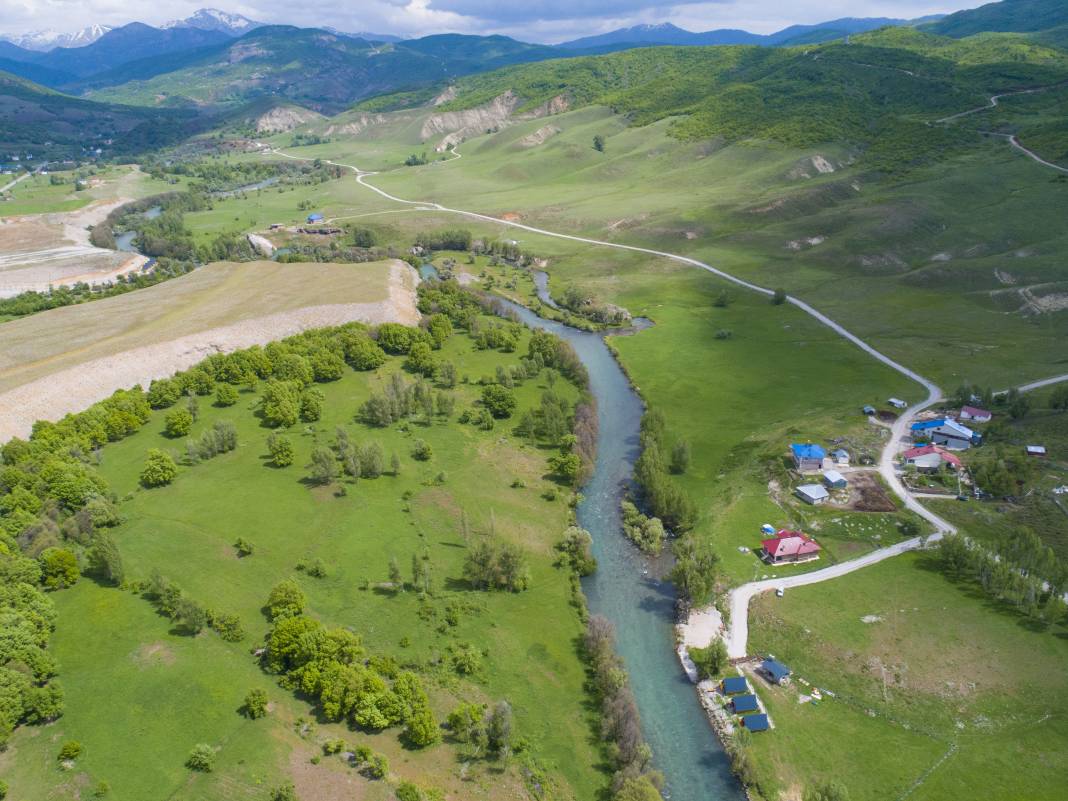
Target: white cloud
534,20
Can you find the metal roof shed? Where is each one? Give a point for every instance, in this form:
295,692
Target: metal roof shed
734,684
745,703
756,722
775,670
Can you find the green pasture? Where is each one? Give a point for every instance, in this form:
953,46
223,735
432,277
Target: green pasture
922,669
140,695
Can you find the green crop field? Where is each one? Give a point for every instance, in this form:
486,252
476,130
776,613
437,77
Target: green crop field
939,692
140,694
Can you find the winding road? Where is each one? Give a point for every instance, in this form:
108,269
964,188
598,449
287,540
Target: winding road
737,635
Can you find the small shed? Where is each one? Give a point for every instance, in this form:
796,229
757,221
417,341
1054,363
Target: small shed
775,671
756,722
745,703
897,403
315,217
1036,450
812,493
834,479
841,457
733,685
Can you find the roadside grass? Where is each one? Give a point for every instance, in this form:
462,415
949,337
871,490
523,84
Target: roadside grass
187,531
936,664
215,295
37,194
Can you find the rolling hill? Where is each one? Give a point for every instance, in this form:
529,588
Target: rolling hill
1019,16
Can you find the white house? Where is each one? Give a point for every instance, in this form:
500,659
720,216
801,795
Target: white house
897,403
1036,450
975,414
812,493
834,479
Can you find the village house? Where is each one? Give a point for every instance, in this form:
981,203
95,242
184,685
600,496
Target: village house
812,493
834,480
976,415
789,547
732,685
744,704
840,457
930,458
945,432
774,671
897,403
1036,450
756,722
808,458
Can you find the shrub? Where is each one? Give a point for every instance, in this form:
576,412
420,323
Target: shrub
286,600
422,451
284,792
280,449
59,568
710,661
256,703
159,469
406,791
178,423
71,749
244,547
201,758
225,395
498,400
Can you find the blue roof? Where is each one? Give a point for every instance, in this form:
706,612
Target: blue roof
756,722
925,424
807,451
315,217
776,669
745,703
735,684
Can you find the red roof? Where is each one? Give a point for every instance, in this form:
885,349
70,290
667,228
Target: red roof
926,449
790,543
972,411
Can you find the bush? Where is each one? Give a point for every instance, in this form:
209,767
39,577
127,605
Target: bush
178,423
71,749
256,703
406,791
286,600
159,469
59,568
498,400
225,395
244,547
280,449
422,451
710,661
284,792
201,758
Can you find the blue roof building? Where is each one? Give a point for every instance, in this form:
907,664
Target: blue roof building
775,670
316,217
807,457
756,722
745,703
734,684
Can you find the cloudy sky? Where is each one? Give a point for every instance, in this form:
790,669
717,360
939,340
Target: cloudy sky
530,20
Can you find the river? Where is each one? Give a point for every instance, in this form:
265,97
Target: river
626,591
125,240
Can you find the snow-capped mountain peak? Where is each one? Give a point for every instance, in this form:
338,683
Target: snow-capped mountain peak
43,41
212,19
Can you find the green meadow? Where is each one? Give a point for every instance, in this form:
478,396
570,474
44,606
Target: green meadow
939,692
141,694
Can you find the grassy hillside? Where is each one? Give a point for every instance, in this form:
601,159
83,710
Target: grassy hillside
31,116
1007,15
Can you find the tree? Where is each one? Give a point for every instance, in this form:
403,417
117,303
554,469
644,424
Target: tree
281,450
159,469
637,789
311,405
59,568
711,660
499,728
178,423
395,574
71,749
284,792
723,299
422,451
201,758
498,400
225,395
1059,398
466,723
256,703
680,457
421,359
105,561
778,297
322,469
190,615
695,569
281,403
421,729
575,550
394,465
598,143
286,600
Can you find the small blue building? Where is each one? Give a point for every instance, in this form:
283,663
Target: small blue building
315,218
733,685
808,457
756,722
775,671
745,703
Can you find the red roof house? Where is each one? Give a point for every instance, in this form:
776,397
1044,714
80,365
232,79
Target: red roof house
789,546
978,415
931,458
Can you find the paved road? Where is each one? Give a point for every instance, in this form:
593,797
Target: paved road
22,178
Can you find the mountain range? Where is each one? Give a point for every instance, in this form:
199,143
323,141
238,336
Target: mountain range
43,41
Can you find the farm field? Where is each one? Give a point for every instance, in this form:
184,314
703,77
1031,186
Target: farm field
942,691
52,365
141,694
